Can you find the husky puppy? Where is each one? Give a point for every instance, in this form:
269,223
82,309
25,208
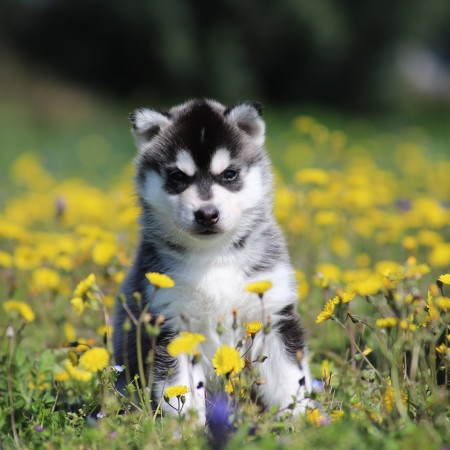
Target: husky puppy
205,189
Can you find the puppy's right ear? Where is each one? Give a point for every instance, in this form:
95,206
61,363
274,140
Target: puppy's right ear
147,123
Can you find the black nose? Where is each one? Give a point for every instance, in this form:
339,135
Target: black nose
208,215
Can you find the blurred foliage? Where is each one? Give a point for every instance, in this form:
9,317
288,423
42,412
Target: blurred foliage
285,51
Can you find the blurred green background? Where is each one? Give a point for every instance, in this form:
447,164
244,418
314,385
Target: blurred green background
70,71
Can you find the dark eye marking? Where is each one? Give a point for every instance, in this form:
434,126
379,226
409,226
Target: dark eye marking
229,174
178,176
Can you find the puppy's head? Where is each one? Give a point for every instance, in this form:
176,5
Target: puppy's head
201,167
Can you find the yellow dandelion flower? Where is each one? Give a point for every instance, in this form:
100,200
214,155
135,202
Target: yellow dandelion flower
327,312
312,176
104,329
387,322
229,389
69,332
104,252
79,305
62,376
326,218
85,286
368,286
77,373
315,418
6,259
176,391
433,313
227,360
443,349
407,325
445,278
233,386
345,296
160,280
20,307
440,255
337,415
94,359
118,277
82,295
44,279
388,399
252,327
186,342
443,303
259,287
326,368
39,383
329,273
303,286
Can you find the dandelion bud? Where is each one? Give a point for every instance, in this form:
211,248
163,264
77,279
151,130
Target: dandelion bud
239,345
122,298
152,330
10,332
160,320
183,399
146,318
219,328
137,297
260,358
267,328
353,318
235,324
126,325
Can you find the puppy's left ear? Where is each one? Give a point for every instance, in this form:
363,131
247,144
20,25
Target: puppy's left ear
147,124
248,118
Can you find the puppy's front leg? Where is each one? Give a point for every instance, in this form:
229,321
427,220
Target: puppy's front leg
286,370
191,376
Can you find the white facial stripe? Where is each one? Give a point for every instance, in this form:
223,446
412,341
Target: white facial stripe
220,161
185,163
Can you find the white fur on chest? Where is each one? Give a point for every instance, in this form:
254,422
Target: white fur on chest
207,291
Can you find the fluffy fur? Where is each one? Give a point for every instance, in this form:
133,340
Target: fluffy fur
204,184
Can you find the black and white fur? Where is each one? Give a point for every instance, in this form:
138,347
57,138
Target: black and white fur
205,189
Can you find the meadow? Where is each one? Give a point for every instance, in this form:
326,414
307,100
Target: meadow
365,210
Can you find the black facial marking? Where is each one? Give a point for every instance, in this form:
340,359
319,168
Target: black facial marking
176,181
202,130
290,331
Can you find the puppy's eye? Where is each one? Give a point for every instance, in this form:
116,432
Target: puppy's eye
178,176
229,174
